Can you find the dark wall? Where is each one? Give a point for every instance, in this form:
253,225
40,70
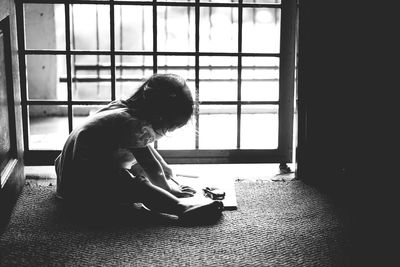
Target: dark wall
324,82
347,90
347,83
347,87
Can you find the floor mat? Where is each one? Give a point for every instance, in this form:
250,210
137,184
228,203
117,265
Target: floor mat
276,224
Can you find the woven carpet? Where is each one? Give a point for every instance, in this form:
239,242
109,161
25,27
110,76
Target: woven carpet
276,224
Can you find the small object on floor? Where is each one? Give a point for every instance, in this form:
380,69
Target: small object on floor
214,193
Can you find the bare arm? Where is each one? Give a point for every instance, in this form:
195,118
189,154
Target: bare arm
167,170
169,175
151,165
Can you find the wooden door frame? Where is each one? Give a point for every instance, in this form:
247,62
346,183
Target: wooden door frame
12,171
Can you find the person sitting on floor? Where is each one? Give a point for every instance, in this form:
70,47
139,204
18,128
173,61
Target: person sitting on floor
110,160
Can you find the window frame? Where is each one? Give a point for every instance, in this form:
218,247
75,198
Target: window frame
282,154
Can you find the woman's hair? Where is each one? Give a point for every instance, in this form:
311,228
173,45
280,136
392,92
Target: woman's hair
163,100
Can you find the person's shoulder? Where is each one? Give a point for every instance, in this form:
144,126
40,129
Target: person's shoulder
131,121
113,105
114,117
115,111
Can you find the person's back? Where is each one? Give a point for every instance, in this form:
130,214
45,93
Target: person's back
104,138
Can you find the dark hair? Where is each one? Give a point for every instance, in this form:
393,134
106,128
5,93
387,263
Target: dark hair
163,100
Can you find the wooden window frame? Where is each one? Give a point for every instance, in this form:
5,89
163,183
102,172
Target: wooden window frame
282,154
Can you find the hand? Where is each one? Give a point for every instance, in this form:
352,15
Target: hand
187,188
181,191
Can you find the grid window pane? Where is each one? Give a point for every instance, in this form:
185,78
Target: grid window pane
260,79
261,30
48,127
182,138
217,127
175,28
90,27
133,28
218,29
50,19
46,77
259,127
131,72
218,79
214,70
262,1
176,1
89,90
220,1
91,79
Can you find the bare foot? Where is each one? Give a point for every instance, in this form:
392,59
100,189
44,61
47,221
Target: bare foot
202,213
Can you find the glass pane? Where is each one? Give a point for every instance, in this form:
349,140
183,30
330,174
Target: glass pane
91,77
262,1
131,71
220,1
217,127
182,138
244,1
48,127
218,79
259,127
260,79
44,26
133,28
95,35
218,29
175,28
81,113
261,30
180,65
176,1
46,77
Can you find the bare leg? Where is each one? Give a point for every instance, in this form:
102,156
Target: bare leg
128,189
160,200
